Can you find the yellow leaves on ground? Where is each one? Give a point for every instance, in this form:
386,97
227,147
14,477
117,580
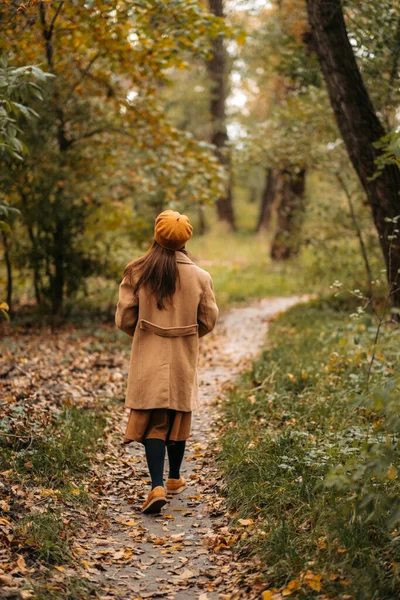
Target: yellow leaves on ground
293,585
392,472
308,579
314,581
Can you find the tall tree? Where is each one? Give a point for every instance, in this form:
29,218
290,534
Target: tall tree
217,70
102,137
279,81
359,125
290,215
267,199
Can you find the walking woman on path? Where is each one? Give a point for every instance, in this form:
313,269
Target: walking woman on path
165,303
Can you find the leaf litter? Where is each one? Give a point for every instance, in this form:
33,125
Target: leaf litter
185,552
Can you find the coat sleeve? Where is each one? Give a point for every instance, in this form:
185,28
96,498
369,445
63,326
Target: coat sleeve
207,313
126,315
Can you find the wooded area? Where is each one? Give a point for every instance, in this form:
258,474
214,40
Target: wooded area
108,120
275,127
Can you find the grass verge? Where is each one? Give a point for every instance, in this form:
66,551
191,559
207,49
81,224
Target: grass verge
310,455
45,456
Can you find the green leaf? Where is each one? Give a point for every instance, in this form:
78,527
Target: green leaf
4,226
5,314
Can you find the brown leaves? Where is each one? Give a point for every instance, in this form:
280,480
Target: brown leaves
191,545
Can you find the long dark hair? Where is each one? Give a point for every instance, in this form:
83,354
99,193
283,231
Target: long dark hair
157,268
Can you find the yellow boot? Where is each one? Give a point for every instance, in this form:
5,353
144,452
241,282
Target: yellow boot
155,500
176,486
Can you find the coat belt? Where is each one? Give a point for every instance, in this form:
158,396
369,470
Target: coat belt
169,331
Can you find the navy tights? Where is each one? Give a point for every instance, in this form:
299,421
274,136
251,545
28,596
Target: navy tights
155,456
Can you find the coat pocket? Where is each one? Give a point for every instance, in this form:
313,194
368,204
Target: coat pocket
169,331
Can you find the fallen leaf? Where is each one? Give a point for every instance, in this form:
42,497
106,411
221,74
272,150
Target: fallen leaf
246,522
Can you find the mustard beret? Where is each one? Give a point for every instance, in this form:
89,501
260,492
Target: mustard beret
172,230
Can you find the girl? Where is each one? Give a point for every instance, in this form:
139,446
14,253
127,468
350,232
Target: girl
166,303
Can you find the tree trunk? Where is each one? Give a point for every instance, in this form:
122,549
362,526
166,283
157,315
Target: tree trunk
64,142
202,220
7,261
267,200
59,266
358,124
216,68
290,215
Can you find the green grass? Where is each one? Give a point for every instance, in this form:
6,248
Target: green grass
44,538
53,458
72,588
56,453
300,412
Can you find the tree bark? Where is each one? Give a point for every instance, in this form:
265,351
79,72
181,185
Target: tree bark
7,260
59,275
358,124
202,220
216,68
267,200
64,142
290,215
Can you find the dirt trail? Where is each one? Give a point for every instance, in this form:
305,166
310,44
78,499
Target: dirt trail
180,554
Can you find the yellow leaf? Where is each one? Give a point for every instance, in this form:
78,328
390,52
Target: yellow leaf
266,595
85,564
59,568
245,522
76,492
4,306
21,564
310,576
294,584
392,472
314,585
159,541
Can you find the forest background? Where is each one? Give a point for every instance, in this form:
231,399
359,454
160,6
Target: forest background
223,115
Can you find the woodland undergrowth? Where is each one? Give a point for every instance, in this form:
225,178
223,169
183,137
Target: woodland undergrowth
310,453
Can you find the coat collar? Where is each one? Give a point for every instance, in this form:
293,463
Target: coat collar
182,258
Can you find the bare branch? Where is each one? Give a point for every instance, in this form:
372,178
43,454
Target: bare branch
84,73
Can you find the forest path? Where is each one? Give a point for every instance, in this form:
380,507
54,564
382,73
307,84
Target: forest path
184,552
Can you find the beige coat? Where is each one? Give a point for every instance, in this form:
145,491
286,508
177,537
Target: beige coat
165,345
